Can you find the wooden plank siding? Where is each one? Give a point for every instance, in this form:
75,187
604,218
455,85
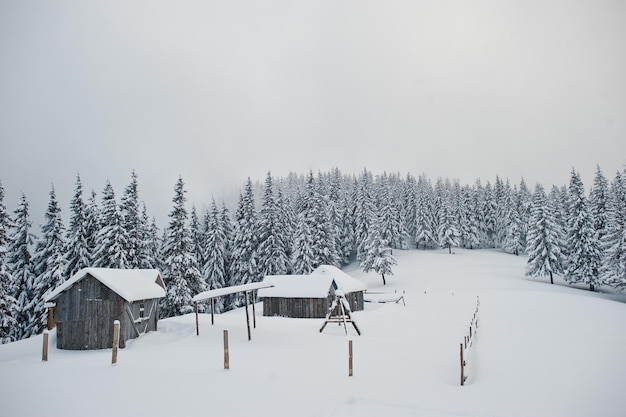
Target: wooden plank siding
296,307
85,313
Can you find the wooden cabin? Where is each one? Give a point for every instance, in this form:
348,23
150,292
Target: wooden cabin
89,302
352,288
310,296
298,296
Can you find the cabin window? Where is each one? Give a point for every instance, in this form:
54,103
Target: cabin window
142,310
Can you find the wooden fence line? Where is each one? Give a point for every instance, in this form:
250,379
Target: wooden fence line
468,342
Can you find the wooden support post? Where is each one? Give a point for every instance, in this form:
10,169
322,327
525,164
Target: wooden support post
462,366
197,324
247,316
350,358
44,350
226,355
50,318
212,311
116,340
253,311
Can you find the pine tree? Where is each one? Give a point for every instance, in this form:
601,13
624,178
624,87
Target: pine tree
273,248
48,261
181,273
147,258
512,241
111,239
77,249
7,301
243,268
613,270
198,240
426,234
339,212
153,247
131,224
544,238
598,202
302,254
21,267
364,212
214,269
524,204
447,232
313,211
583,262
378,257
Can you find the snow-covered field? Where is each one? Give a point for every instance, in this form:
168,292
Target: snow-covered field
540,350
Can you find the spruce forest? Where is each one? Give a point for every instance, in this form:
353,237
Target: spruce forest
292,225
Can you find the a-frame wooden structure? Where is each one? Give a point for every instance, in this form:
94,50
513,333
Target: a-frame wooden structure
340,312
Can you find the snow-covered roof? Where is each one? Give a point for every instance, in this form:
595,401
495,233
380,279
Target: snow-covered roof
205,295
130,284
345,282
297,286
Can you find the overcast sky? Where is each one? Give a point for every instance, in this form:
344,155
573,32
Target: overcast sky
216,91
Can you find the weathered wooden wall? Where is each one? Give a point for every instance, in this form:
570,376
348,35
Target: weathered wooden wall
85,313
296,307
355,300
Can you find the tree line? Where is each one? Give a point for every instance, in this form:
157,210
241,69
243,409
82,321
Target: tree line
292,225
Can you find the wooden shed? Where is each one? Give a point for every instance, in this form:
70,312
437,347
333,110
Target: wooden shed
310,296
352,288
298,296
89,302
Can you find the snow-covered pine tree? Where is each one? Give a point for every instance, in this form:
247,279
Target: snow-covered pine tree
426,234
273,249
181,273
243,269
338,211
447,232
613,271
468,218
145,257
153,247
77,252
302,257
409,205
598,202
7,301
111,239
92,225
378,257
488,213
198,236
314,211
583,261
48,260
390,222
214,270
226,224
364,211
512,240
131,223
544,238
21,267
524,203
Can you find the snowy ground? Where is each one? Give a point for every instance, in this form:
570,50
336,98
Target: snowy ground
541,350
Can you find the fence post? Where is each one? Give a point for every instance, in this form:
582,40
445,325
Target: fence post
462,366
44,350
50,323
116,340
350,358
226,355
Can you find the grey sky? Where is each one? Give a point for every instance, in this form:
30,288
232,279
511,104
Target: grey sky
219,91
